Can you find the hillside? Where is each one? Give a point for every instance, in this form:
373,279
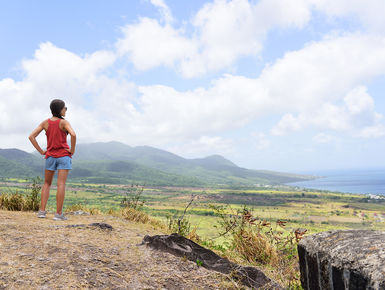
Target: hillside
114,162
44,254
14,162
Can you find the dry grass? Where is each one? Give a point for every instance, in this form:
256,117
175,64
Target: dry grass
14,201
77,207
255,247
42,253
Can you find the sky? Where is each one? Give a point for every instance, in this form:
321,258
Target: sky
285,85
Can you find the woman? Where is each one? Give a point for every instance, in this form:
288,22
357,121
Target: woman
58,155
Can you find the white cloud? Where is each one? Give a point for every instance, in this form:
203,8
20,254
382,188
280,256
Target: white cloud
148,44
165,11
358,101
356,117
370,12
320,86
57,73
224,31
288,123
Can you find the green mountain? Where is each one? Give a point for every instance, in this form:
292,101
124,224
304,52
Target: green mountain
115,162
17,163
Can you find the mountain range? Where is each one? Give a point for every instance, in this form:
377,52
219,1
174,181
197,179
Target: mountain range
115,162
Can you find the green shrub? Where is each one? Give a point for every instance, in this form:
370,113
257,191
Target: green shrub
180,226
32,201
133,197
258,242
20,202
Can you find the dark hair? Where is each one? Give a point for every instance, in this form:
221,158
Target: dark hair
56,106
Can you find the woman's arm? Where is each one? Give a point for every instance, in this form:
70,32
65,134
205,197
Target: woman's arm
68,128
33,136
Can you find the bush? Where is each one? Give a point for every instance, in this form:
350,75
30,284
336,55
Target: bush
20,202
180,224
14,201
133,197
32,201
255,247
134,215
259,243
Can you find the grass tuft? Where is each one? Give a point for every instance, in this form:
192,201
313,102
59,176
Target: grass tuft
255,247
13,201
78,206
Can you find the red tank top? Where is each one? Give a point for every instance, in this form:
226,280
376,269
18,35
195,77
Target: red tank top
56,140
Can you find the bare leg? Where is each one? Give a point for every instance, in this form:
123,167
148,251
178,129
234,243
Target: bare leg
46,187
61,187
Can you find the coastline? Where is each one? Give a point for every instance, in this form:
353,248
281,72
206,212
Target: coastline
357,181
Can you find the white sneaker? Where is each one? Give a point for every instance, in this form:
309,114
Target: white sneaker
60,217
41,214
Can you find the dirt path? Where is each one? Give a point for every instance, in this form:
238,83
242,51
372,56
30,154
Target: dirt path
44,254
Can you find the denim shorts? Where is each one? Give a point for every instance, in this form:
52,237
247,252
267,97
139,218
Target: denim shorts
52,163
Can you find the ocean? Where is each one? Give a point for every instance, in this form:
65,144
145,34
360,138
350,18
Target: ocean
363,181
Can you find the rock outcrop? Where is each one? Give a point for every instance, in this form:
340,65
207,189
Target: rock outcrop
183,247
350,259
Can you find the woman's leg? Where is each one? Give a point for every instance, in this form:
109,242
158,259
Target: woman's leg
48,176
61,185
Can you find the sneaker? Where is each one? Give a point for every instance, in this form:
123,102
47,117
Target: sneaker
60,217
41,214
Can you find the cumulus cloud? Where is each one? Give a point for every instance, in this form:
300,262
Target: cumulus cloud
356,117
370,13
223,31
288,123
322,85
57,73
165,11
149,44
305,86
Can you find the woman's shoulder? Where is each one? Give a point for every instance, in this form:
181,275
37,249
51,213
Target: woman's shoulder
63,123
44,124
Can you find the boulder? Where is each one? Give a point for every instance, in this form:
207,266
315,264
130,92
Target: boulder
183,247
348,259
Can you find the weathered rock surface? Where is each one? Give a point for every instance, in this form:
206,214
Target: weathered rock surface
102,226
350,259
183,247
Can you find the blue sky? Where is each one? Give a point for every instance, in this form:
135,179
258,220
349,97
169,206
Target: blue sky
271,84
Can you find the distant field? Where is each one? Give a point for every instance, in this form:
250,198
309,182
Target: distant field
312,210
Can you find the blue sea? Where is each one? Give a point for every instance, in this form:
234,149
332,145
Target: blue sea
364,181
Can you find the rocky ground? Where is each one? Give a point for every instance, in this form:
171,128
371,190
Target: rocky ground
46,254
